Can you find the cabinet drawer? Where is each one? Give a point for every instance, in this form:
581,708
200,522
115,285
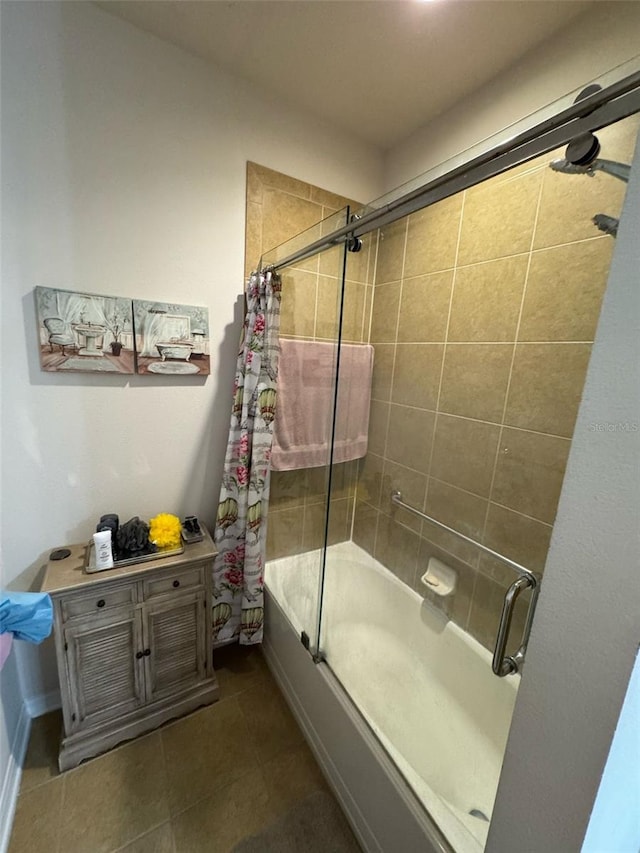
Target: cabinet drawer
99,601
174,581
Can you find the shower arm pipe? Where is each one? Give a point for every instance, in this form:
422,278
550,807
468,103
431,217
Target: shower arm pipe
396,498
615,102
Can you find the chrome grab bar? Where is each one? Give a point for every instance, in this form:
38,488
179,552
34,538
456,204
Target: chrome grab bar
502,664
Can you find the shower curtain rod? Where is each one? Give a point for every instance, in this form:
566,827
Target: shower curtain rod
615,102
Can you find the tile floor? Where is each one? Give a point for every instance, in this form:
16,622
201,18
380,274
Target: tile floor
201,783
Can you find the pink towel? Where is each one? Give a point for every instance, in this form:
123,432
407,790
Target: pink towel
303,423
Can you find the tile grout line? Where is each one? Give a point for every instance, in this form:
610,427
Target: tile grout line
513,357
444,356
395,350
474,420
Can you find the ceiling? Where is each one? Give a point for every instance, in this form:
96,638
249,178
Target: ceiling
376,68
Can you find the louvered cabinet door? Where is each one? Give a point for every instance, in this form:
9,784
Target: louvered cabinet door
175,646
105,676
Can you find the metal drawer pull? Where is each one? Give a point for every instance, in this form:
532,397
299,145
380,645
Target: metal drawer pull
101,603
176,584
508,665
147,652
139,655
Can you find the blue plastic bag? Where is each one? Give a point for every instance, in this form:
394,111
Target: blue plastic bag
27,615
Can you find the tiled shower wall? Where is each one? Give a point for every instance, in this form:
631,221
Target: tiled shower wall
485,308
278,209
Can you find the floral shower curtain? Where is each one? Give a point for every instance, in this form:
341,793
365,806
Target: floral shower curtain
240,532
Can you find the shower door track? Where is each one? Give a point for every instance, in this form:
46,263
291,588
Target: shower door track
615,102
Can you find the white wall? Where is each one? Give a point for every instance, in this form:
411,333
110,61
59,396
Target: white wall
601,39
585,634
123,167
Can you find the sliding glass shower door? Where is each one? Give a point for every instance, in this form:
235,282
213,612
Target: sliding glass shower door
481,310
302,480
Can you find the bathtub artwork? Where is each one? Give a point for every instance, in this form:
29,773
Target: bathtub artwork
171,339
84,332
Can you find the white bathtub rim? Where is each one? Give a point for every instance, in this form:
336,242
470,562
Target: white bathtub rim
435,841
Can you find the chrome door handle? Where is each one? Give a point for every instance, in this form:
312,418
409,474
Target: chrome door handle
507,665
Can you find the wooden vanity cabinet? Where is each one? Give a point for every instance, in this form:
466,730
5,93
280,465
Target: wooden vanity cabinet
134,646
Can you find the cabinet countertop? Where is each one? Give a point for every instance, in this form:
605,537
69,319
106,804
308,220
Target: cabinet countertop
68,575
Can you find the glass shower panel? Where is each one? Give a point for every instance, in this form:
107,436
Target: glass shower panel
481,311
312,291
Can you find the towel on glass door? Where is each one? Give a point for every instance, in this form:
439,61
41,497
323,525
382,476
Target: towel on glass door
303,422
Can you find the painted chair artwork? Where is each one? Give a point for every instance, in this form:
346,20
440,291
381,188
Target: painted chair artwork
60,333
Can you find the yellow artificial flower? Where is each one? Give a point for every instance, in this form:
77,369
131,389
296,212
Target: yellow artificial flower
164,530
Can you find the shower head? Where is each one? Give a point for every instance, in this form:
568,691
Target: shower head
611,167
568,168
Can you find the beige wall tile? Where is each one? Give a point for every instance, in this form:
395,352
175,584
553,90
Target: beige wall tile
340,515
254,183
383,358
484,613
520,538
410,436
284,532
315,521
331,261
314,525
498,218
316,484
378,418
486,300
353,311
456,605
433,237
449,543
280,181
391,243
474,380
297,311
564,291
529,473
424,308
416,376
413,486
369,484
457,509
386,303
360,264
285,216
546,387
397,549
364,526
253,237
327,199
287,489
328,307
464,453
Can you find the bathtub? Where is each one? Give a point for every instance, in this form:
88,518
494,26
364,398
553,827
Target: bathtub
180,350
422,686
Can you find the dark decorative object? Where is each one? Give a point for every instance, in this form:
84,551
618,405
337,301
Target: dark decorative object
133,538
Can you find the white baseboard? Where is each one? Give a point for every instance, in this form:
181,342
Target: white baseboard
42,704
11,781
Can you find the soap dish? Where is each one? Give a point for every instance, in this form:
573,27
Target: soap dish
439,578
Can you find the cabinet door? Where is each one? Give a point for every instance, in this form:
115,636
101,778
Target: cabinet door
175,651
105,677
